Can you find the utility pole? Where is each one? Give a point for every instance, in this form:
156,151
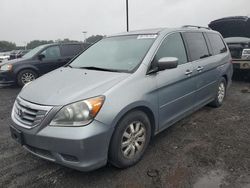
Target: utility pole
127,16
25,45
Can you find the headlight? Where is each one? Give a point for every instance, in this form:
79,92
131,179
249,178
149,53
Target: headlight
78,114
6,67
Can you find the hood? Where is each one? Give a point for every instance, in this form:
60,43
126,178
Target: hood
14,61
237,40
68,85
237,26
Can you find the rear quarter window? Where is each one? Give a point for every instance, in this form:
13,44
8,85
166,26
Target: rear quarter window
197,45
71,50
217,44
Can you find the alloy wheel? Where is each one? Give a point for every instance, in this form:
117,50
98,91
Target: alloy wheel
27,77
221,92
133,139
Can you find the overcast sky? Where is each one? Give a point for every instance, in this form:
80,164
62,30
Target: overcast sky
25,20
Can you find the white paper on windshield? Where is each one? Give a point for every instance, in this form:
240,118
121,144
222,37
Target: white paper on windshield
147,36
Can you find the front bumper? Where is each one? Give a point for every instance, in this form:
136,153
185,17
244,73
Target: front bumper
241,64
7,78
80,148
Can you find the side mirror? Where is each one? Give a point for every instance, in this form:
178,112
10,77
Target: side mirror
41,56
167,63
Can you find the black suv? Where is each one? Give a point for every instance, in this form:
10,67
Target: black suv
37,62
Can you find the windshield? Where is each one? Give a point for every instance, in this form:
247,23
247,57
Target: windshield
124,53
31,53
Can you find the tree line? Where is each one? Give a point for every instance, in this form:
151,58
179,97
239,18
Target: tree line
8,46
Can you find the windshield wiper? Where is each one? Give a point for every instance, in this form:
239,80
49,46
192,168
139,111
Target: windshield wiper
98,68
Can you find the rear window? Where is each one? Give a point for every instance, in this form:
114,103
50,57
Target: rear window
70,50
217,43
197,46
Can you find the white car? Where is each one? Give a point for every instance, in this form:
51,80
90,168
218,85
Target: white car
4,56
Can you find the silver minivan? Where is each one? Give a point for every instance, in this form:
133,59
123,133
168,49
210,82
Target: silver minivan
107,103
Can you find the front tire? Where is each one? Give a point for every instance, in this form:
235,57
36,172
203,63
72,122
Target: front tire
26,76
220,94
130,139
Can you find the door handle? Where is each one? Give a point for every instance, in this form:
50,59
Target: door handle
199,68
188,72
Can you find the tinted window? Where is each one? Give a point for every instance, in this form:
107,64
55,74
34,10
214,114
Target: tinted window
197,46
70,50
172,46
217,44
34,51
52,52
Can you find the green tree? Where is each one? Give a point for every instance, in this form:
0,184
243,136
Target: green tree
94,38
7,46
65,40
36,43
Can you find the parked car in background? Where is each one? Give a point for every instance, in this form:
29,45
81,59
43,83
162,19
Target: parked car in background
13,54
109,102
240,48
17,54
4,56
37,62
236,31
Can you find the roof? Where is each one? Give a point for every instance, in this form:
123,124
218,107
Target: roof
140,32
58,43
159,30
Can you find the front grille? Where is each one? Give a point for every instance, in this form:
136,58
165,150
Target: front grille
236,65
28,115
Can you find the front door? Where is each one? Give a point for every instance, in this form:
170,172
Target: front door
176,87
51,60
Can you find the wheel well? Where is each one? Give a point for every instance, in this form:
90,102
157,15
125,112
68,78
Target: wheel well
26,69
149,113
225,76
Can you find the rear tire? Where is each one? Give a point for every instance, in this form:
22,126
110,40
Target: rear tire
26,76
130,139
220,93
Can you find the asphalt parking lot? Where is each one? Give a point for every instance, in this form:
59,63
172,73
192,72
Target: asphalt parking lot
209,148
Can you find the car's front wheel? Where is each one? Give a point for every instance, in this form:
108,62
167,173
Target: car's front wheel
26,76
130,139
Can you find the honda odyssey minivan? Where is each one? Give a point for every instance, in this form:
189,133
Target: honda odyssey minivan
107,103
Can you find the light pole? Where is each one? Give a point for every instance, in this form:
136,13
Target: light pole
127,16
85,35
25,45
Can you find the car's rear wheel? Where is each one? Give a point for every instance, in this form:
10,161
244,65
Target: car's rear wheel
220,94
130,139
26,76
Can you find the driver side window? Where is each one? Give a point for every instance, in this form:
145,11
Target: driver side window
173,46
52,52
